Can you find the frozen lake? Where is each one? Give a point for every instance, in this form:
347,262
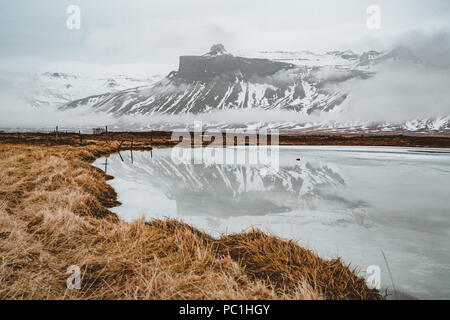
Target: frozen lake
351,202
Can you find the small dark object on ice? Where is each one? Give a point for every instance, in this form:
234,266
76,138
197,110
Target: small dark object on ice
298,159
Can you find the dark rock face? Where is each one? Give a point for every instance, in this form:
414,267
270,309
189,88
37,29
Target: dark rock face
205,68
217,49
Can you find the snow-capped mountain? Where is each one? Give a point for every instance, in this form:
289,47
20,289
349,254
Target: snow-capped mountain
221,81
307,58
434,125
57,88
304,83
342,59
373,58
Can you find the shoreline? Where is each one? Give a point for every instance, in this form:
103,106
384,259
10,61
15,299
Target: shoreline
393,295
54,205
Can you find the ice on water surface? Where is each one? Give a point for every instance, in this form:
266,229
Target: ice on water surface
350,202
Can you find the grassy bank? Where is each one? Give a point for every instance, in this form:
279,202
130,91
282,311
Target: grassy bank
54,213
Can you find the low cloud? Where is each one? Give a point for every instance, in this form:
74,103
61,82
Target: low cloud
16,111
398,92
432,46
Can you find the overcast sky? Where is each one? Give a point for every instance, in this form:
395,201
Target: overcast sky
156,32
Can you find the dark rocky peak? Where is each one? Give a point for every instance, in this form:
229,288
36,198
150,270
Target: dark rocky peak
111,83
217,49
218,63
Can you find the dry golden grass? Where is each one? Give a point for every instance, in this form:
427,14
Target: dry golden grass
54,213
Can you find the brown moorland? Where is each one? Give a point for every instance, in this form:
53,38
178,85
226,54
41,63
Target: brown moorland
163,138
54,213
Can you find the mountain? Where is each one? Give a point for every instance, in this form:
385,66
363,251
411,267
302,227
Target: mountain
313,86
430,125
372,58
306,58
58,88
219,80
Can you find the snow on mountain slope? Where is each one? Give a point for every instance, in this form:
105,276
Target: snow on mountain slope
311,90
58,88
310,59
221,81
367,61
372,59
437,125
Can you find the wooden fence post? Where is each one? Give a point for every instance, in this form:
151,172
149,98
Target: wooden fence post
120,145
132,161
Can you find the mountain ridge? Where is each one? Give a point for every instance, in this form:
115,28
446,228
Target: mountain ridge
224,81
304,83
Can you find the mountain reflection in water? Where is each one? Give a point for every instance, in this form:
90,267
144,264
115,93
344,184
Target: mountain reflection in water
350,202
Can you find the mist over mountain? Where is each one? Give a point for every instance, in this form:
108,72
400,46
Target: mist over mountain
336,91
219,80
55,89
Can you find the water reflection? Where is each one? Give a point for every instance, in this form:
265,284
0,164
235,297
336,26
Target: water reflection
236,190
347,202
